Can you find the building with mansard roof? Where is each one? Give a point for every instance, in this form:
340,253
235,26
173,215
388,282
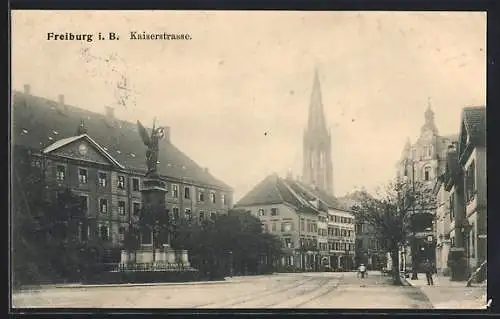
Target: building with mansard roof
315,230
102,159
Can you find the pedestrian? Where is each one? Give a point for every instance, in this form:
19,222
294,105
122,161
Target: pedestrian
428,267
362,270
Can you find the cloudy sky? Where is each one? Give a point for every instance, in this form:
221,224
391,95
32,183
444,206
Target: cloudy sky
244,74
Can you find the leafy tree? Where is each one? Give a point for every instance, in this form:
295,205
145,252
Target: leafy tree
389,212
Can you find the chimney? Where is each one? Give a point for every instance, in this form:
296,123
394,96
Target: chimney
167,133
110,113
62,106
27,89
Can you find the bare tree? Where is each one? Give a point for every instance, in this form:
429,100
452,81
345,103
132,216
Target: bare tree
390,212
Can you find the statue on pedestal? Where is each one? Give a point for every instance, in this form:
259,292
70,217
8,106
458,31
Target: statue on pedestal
153,148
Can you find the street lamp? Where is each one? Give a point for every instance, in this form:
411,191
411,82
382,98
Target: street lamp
230,264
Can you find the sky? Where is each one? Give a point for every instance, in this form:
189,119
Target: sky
236,95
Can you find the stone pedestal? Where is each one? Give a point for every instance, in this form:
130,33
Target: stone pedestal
185,258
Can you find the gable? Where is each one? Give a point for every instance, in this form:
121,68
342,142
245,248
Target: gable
82,150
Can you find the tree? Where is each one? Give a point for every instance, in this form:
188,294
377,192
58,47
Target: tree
389,212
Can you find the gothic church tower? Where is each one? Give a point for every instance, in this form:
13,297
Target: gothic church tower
317,153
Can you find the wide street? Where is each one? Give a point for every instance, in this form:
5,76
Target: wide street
305,290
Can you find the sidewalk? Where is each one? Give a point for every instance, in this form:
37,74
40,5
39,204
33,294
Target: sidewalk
446,294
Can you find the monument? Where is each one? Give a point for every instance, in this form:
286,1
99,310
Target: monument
153,225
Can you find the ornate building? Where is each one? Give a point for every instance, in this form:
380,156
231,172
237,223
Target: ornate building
423,162
101,159
317,152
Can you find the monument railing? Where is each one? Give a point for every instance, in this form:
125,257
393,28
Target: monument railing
152,267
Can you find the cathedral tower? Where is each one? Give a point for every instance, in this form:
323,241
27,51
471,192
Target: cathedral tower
317,153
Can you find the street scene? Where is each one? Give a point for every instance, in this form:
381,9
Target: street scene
307,290
276,170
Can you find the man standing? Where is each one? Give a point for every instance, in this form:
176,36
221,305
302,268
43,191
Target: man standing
362,270
428,268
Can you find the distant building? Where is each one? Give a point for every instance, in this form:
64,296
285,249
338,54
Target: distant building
317,169
443,222
101,159
313,230
369,249
423,162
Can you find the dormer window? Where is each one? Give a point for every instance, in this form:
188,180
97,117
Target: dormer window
25,131
55,132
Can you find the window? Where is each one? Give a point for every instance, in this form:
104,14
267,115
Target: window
187,214
262,212
202,215
103,205
427,173
302,224
274,212
175,211
223,198
121,233
84,204
135,184
187,194
60,173
273,227
82,232
82,175
470,183
136,208
102,179
104,232
36,162
212,197
121,182
201,195
265,228
288,243
213,216
175,190
121,208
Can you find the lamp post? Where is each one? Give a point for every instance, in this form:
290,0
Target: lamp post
230,264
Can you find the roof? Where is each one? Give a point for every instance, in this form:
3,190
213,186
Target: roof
274,190
38,122
474,119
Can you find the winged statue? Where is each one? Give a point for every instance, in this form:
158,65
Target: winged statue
152,142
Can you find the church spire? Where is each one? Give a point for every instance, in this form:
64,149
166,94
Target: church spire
318,167
316,114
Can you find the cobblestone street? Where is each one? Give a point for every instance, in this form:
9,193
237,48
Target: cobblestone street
308,290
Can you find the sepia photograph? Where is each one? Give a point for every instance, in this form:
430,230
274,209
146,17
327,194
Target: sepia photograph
248,160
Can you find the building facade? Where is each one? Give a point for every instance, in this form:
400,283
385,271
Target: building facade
313,232
101,159
317,153
472,160
422,162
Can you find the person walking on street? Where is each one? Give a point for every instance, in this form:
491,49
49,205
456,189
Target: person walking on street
362,270
429,272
